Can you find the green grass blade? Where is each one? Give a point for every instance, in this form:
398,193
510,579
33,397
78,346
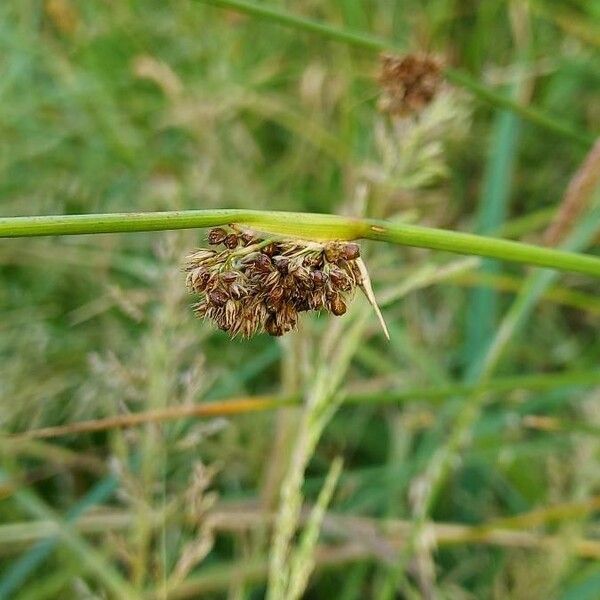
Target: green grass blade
483,309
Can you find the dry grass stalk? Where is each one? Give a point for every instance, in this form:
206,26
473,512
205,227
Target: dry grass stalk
576,198
207,409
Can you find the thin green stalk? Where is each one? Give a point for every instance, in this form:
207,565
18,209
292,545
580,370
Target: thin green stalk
304,225
535,382
484,301
377,44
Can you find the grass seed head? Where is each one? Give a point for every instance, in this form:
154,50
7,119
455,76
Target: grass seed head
409,82
246,291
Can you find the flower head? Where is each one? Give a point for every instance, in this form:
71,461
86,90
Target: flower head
254,285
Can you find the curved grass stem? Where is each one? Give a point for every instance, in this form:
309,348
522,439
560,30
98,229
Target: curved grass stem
308,226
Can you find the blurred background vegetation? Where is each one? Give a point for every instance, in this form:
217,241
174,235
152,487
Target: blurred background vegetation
462,477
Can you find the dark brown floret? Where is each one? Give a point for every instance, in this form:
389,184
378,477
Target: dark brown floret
262,263
216,236
350,251
275,298
282,263
198,279
272,328
336,305
231,241
248,239
218,297
318,278
270,249
313,261
339,280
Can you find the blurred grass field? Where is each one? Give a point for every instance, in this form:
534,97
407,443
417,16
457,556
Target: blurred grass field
470,441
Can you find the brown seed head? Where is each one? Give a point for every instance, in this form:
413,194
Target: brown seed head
409,82
265,290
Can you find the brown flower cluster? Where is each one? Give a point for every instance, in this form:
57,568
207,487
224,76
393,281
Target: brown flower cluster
409,82
251,285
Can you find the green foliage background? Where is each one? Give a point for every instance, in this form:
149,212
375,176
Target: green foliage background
147,105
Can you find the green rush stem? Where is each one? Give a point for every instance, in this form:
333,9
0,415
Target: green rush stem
307,226
377,44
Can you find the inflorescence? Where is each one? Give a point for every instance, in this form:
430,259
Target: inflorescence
409,82
255,285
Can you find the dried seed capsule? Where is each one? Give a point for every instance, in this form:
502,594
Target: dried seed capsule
272,327
248,327
332,252
336,305
218,297
314,260
248,239
275,298
302,276
316,300
232,312
229,277
339,280
302,304
318,278
282,264
216,236
222,324
262,263
350,251
271,249
197,279
237,291
231,241
271,280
